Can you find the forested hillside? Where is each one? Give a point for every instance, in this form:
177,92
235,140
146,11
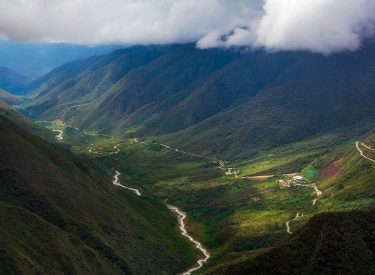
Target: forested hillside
216,102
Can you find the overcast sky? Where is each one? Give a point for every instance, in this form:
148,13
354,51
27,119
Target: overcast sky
324,26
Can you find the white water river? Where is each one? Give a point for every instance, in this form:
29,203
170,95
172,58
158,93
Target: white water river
181,220
116,181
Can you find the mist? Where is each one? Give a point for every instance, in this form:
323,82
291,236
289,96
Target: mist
323,26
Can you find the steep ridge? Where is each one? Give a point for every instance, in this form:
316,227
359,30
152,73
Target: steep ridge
83,81
145,94
314,95
153,88
60,216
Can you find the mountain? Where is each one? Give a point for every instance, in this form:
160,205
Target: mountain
330,243
59,215
37,59
12,81
313,95
82,81
25,123
7,97
216,102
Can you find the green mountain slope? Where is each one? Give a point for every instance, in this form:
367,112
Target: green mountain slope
25,123
83,81
347,178
334,243
226,103
313,95
60,216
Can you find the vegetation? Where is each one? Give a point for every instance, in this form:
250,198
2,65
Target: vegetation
164,117
218,103
59,215
240,218
334,243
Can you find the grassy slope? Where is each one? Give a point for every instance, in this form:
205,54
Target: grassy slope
352,186
65,217
238,219
335,243
64,89
152,89
25,123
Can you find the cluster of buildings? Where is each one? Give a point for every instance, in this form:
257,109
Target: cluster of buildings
296,180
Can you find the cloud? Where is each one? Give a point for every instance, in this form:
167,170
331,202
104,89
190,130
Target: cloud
324,26
120,21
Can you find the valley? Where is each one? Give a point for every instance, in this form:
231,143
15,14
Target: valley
233,216
210,137
219,157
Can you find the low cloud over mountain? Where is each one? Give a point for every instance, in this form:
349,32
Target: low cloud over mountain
324,26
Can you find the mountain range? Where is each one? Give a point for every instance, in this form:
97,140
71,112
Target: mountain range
242,140
13,81
230,103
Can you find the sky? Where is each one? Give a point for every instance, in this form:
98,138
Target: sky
323,26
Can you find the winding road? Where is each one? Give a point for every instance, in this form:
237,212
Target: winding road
317,191
59,136
318,194
288,223
116,181
117,150
361,152
183,152
229,171
367,147
181,220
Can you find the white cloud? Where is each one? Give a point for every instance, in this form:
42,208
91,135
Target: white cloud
119,21
317,25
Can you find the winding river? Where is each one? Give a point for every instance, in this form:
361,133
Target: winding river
116,181
288,223
181,220
181,216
